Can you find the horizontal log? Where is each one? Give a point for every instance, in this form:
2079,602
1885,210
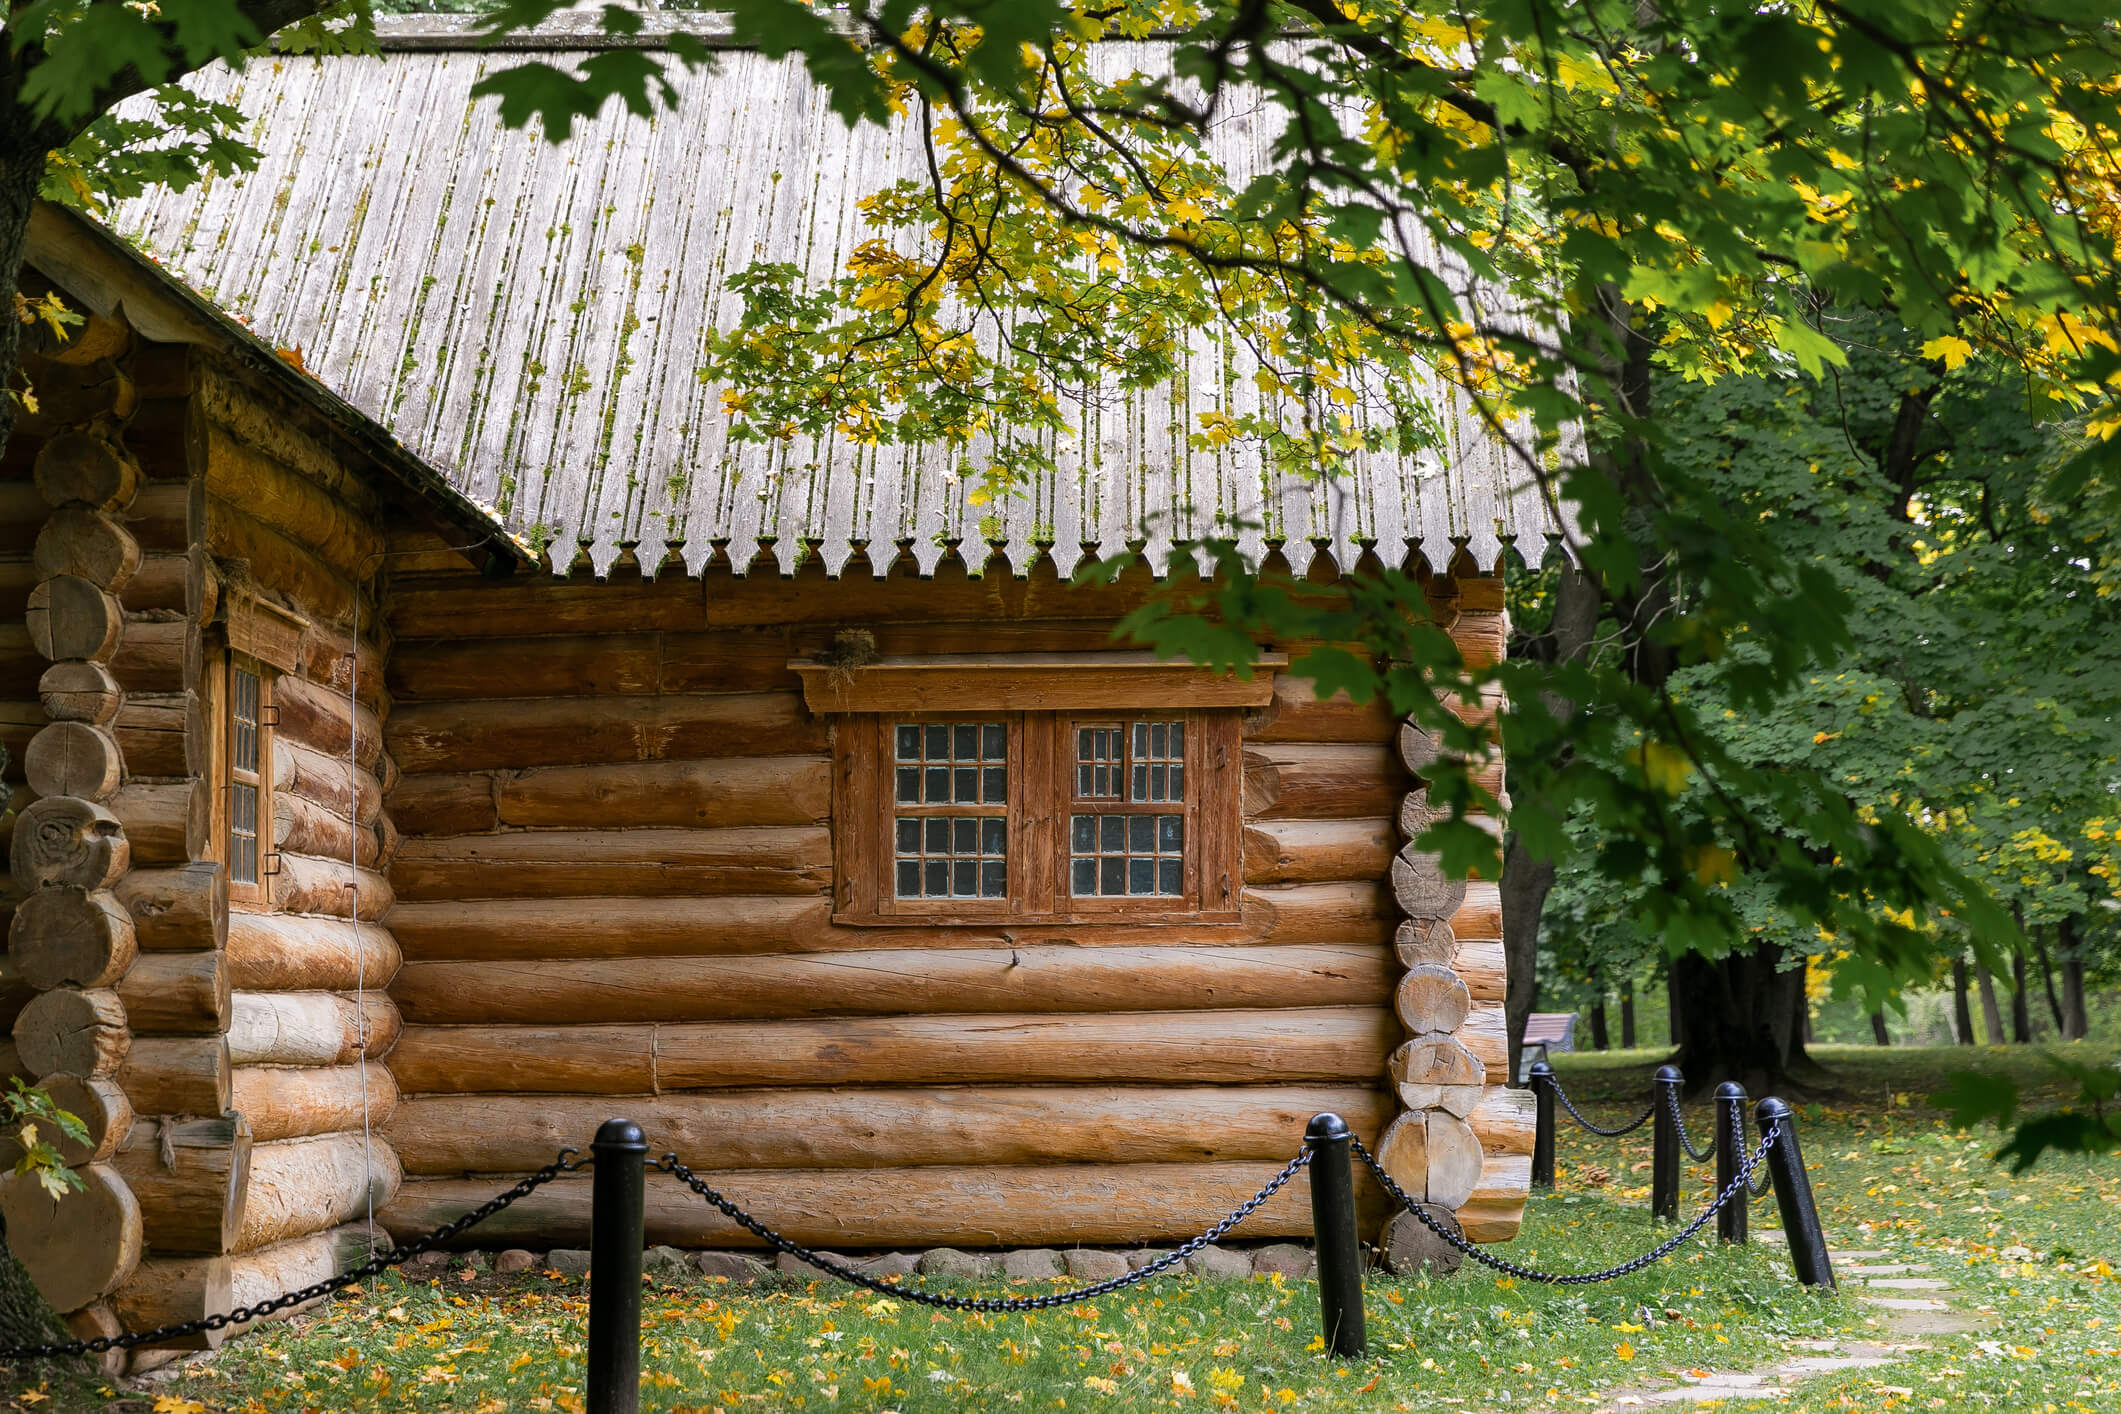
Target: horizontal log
319,718
1288,781
172,1291
177,994
154,734
511,733
88,470
813,1129
177,909
166,821
558,863
959,1207
1347,912
290,503
1480,916
1486,1035
950,592
63,841
1422,888
185,1075
303,827
1297,715
89,544
458,804
299,1262
309,1028
1344,1045
291,1102
191,1179
453,669
101,1107
70,617
444,607
1455,1160
307,884
894,981
1431,999
298,1186
70,692
20,662
98,1321
78,1031
247,551
73,758
162,584
153,658
1482,637
1317,851
1505,1121
75,1246
1504,1180
71,938
297,770
167,517
331,660
283,952
1436,1072
1483,966
741,791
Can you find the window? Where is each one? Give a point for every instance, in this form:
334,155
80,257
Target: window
247,791
1047,817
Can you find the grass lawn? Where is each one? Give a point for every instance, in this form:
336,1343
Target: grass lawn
2032,1258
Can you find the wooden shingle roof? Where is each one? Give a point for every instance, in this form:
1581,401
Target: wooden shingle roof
529,320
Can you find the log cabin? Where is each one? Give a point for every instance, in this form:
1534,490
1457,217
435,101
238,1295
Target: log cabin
423,753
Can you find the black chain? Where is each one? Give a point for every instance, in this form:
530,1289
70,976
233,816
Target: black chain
1766,1185
670,1165
1686,1141
1570,1105
567,1162
1636,1264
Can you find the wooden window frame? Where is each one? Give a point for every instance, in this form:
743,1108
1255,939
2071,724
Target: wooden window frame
256,892
1041,799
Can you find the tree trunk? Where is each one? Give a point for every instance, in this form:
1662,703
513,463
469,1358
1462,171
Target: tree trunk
1601,1038
1878,1032
1627,1014
1526,881
1962,1013
2047,978
2077,1024
2021,1009
1740,1015
1674,1017
1991,1014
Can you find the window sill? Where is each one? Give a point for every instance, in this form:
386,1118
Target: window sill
1031,682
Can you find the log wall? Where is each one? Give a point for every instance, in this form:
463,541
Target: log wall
614,895
123,568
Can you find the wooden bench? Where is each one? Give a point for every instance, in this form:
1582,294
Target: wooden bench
1544,1033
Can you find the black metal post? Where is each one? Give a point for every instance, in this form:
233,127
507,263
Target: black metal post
1793,1195
1664,1151
1543,1133
1333,1227
617,1235
1730,1160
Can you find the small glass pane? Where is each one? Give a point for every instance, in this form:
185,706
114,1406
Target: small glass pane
1085,878
1085,782
964,878
909,878
938,785
1085,745
938,878
1156,739
909,743
965,836
909,835
1112,832
1167,876
1156,783
996,789
966,747
938,743
1141,782
994,837
1178,739
1141,738
1178,782
1083,833
909,785
994,742
1112,875
1141,876
993,880
1141,834
1170,833
938,836
968,785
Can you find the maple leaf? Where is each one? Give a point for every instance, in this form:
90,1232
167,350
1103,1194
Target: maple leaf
293,356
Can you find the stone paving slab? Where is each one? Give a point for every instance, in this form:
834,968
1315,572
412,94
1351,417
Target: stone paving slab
1905,1303
1908,1283
1884,1269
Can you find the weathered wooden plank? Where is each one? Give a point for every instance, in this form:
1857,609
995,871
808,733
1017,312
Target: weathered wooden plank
561,863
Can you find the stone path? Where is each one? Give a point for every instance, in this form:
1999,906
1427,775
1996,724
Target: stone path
1908,1317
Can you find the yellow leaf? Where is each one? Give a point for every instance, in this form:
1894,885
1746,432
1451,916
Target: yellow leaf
1951,348
177,1404
1624,1350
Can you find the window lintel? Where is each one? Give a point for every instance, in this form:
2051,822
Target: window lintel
1031,682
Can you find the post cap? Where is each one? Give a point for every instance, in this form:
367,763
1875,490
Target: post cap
1771,1109
1540,1067
1669,1075
620,1134
1731,1090
1326,1126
